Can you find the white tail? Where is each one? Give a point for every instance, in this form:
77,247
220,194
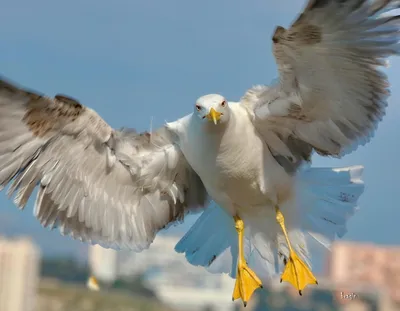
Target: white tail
211,241
325,199
328,198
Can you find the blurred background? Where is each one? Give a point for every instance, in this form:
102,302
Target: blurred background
136,61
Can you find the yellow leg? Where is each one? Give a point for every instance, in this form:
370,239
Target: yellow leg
246,280
296,272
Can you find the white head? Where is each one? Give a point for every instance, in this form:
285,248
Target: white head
212,108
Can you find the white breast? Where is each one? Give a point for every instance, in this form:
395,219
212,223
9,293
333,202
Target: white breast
235,166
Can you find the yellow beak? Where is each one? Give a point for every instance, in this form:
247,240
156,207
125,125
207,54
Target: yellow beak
214,115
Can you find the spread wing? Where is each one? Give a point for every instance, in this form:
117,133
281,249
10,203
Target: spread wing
331,93
114,188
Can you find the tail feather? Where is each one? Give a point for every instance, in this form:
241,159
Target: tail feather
324,201
327,199
212,238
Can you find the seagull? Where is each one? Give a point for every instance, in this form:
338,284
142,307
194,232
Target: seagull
244,166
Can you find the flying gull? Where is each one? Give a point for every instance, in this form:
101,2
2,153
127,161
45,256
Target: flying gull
245,165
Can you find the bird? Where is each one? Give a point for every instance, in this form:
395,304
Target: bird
244,166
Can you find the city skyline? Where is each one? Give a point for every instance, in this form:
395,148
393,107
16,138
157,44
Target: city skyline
343,285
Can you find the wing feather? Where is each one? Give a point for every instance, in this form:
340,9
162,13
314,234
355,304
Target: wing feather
96,184
331,94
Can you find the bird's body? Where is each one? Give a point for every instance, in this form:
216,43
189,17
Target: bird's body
118,188
237,176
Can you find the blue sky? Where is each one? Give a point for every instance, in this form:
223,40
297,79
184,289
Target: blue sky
132,60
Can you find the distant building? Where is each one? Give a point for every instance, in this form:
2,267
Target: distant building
19,274
356,264
160,253
103,263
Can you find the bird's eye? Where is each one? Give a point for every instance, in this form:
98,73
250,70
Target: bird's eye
198,107
223,104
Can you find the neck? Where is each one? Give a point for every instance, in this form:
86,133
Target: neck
212,128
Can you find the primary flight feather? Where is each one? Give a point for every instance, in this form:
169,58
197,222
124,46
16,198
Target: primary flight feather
118,188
